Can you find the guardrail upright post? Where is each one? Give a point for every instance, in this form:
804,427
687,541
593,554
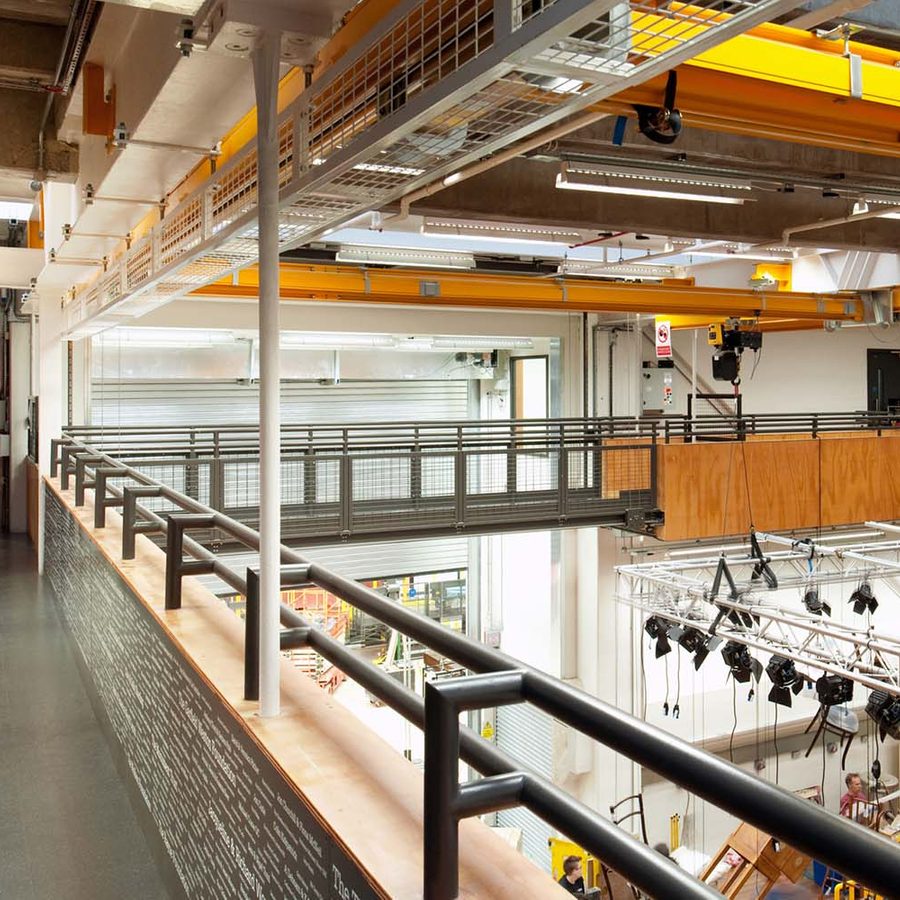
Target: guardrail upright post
130,526
441,791
174,550
309,471
415,468
653,468
82,460
562,480
55,445
251,637
460,481
176,566
101,501
346,488
66,451
511,464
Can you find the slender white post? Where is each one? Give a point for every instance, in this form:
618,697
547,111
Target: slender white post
265,79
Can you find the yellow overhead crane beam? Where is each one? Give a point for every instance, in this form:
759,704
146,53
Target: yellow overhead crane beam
432,288
784,84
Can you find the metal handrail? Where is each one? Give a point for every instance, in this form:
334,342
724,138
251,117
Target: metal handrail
227,438
856,852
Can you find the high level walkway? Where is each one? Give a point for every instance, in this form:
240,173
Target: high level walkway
67,827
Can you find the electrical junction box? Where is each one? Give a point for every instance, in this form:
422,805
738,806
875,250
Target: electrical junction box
657,390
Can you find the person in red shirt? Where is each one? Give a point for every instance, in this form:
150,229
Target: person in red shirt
854,804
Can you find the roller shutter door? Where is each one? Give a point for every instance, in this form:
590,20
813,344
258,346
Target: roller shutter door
526,734
228,402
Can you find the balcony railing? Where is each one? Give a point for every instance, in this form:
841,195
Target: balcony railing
498,680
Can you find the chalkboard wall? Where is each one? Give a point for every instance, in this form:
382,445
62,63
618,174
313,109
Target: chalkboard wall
231,824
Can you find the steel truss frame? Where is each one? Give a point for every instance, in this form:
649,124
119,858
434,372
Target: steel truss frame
403,109
681,591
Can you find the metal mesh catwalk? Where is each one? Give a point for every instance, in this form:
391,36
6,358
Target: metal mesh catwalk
437,85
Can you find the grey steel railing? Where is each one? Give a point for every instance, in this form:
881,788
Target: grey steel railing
500,679
359,437
363,482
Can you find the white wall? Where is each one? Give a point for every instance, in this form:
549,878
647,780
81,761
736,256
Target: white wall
804,371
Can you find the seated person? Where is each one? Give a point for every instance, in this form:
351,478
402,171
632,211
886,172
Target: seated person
572,879
854,804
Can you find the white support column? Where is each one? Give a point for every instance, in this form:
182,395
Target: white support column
51,408
19,390
265,78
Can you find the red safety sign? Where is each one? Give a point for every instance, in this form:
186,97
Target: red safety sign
663,340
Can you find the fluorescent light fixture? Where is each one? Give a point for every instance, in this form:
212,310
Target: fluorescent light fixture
336,340
500,231
636,182
893,215
15,209
860,207
635,269
483,343
452,179
398,256
756,257
388,170
165,337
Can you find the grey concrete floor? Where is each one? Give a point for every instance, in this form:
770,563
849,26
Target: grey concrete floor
67,826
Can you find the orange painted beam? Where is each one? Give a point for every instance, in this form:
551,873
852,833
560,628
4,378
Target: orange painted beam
423,287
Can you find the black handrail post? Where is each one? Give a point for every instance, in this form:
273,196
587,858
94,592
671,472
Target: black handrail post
81,461
415,468
101,503
346,493
176,566
55,445
129,515
460,480
174,545
66,450
441,826
251,637
562,481
293,575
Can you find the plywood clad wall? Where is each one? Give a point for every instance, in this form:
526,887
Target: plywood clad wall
703,487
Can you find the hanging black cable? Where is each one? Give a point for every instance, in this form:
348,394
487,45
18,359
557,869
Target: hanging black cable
747,483
676,709
666,701
775,742
734,725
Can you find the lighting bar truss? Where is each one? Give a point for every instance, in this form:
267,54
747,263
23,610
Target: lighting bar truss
682,591
436,85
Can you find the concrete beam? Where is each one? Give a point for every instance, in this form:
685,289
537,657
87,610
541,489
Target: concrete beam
22,111
53,12
523,190
30,46
29,52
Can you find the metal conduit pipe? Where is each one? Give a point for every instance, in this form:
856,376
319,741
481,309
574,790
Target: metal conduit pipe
857,852
842,220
